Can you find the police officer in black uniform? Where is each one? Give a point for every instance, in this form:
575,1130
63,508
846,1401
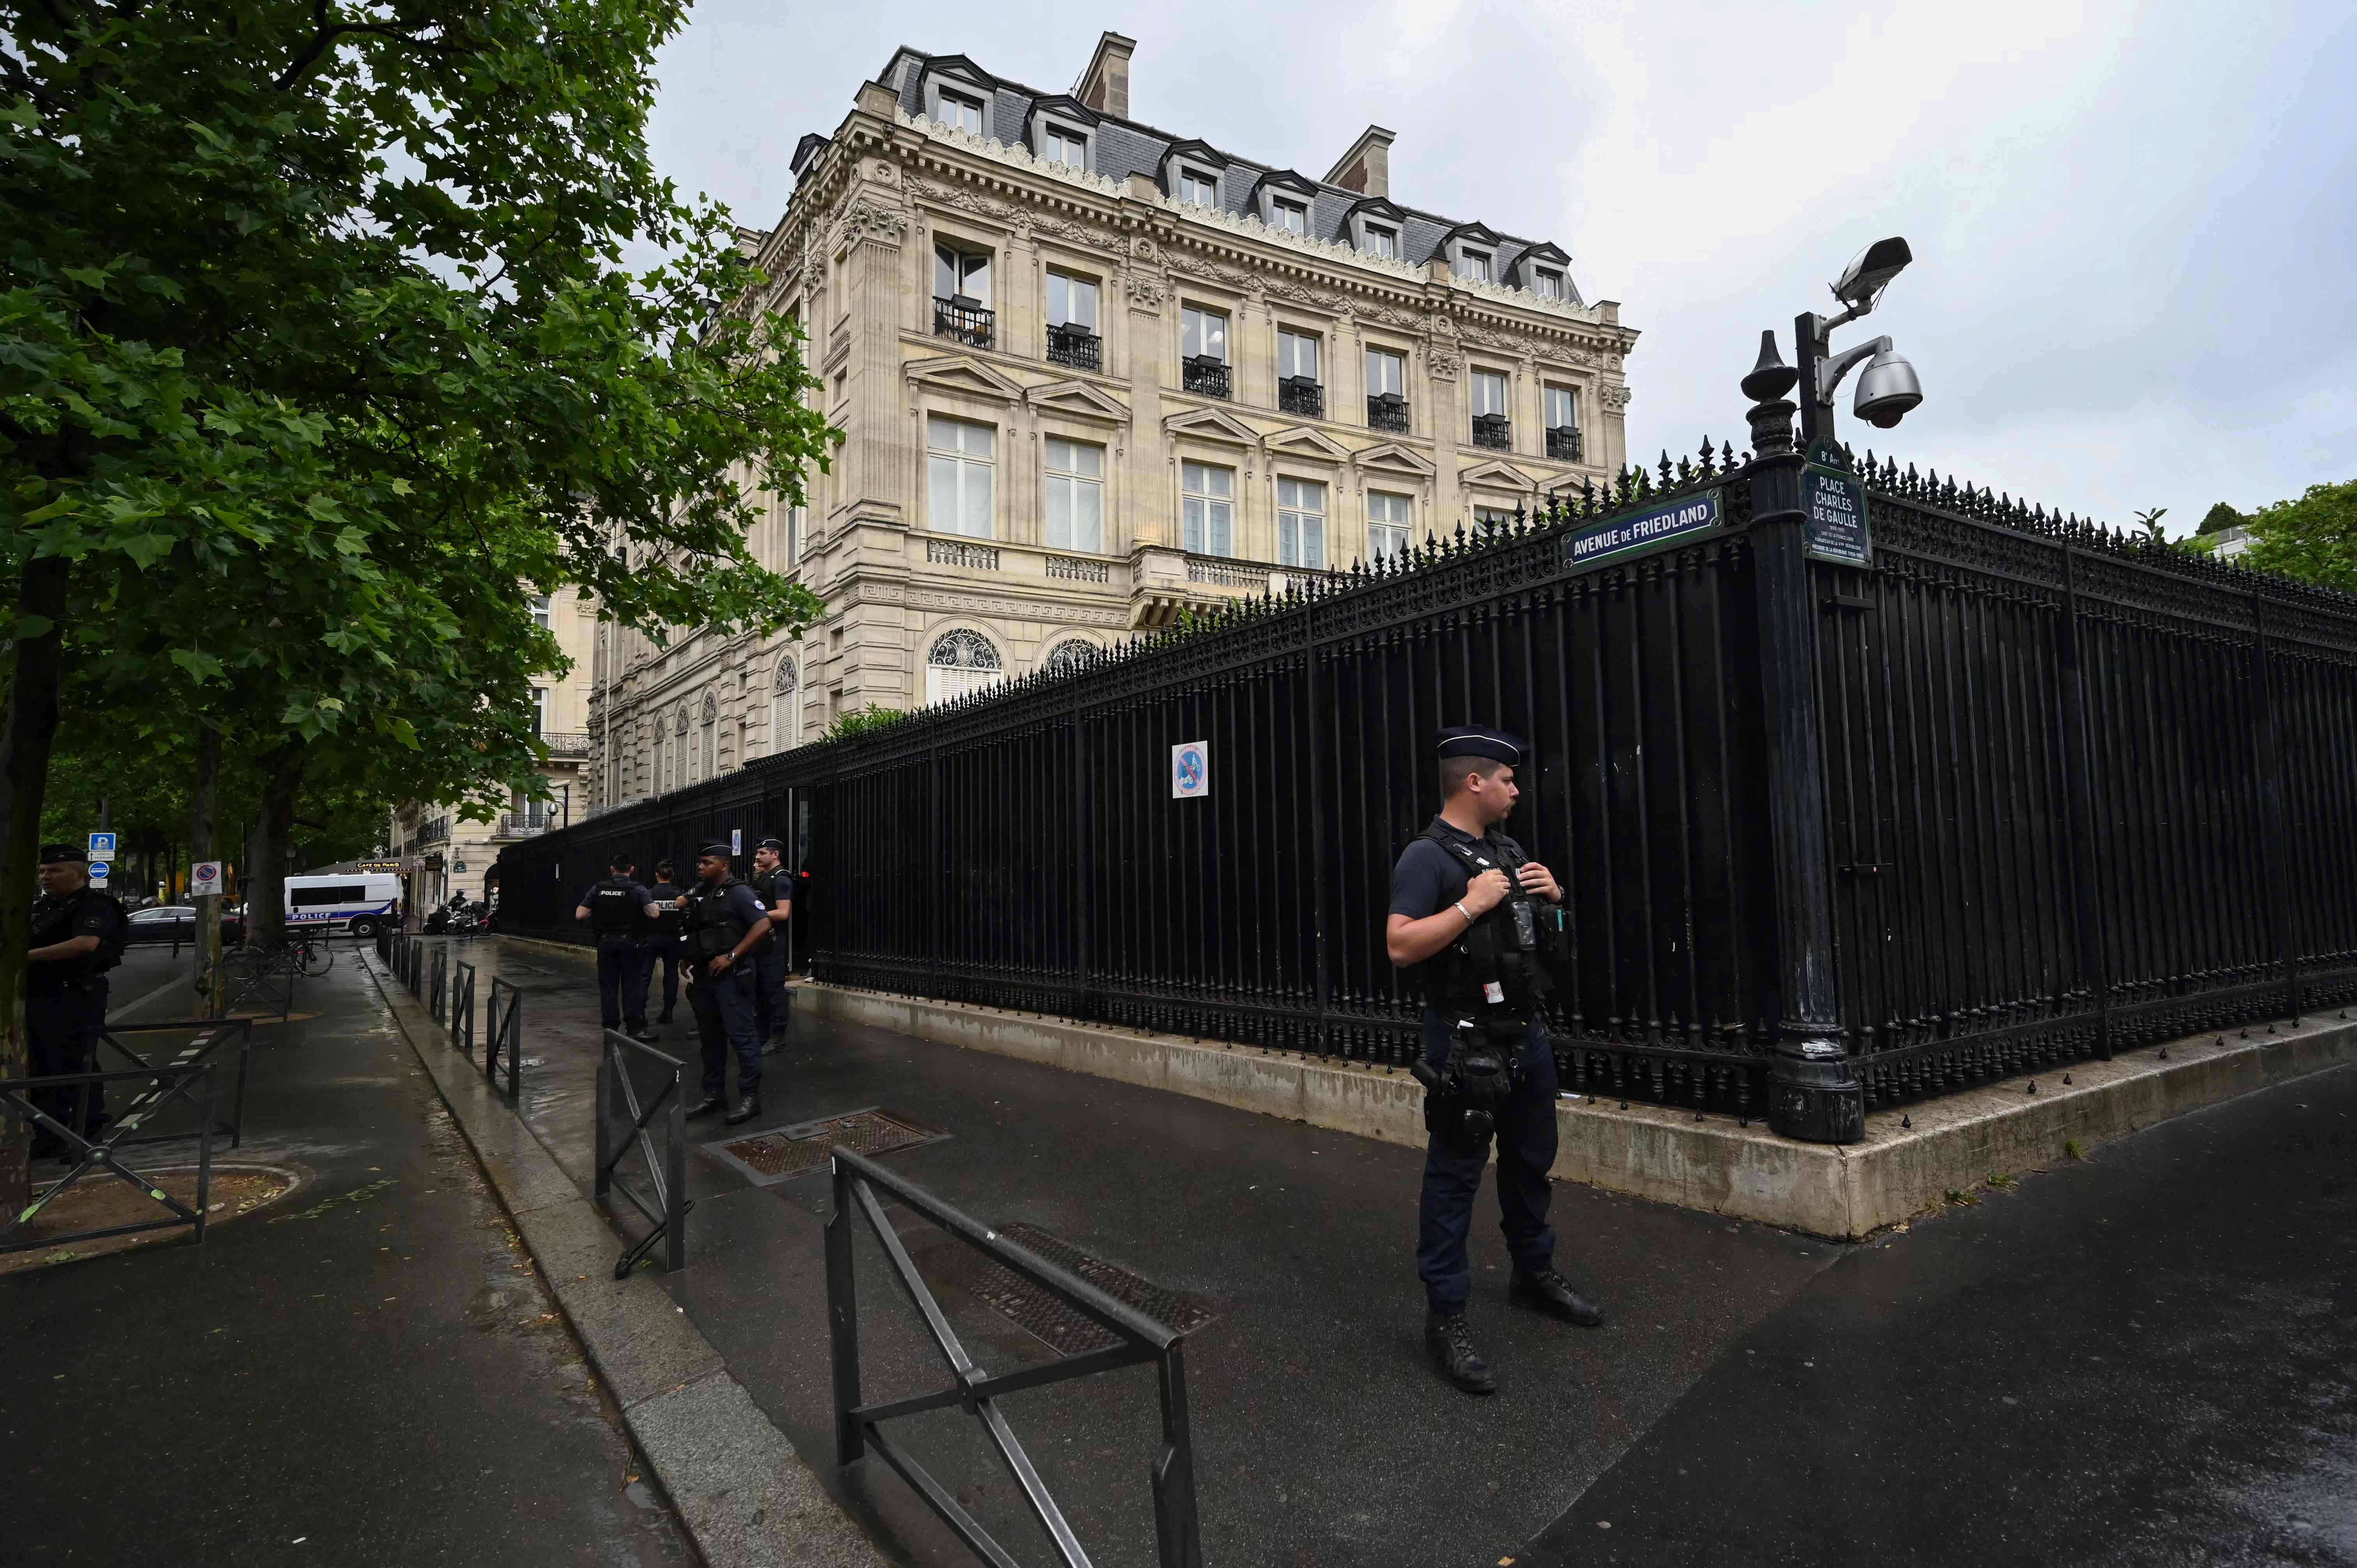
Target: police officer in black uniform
773,885
725,924
78,934
1476,921
623,915
665,942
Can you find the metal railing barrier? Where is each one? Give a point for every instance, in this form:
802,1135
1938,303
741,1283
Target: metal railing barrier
666,1167
90,1154
211,1036
385,938
462,1012
437,981
261,980
858,1426
503,1033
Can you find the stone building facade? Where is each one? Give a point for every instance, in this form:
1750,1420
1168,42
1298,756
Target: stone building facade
1090,374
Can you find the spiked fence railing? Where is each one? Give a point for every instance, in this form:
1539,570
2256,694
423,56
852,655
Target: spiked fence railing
2042,789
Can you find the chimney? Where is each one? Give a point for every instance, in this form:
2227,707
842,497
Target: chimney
1367,166
1104,86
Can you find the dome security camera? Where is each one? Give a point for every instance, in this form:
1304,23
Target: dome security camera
1887,388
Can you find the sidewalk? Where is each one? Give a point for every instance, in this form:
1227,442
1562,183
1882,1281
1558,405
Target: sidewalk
368,1371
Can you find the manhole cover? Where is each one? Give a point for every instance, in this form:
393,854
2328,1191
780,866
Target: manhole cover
1066,1327
790,1151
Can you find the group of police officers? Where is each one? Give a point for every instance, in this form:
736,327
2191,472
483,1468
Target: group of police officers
729,936
1474,922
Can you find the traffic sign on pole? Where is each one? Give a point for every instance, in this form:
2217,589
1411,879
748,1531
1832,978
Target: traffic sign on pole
102,848
99,871
205,881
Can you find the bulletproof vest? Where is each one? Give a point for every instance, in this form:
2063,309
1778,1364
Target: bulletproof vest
614,907
54,920
666,917
1503,958
712,928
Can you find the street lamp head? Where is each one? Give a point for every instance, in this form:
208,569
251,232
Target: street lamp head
1771,378
1887,388
1870,272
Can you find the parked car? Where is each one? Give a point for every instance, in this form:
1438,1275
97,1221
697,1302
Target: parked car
178,923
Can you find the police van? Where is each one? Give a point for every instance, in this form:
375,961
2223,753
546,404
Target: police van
358,903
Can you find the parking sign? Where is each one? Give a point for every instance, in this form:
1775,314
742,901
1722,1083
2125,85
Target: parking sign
205,881
102,847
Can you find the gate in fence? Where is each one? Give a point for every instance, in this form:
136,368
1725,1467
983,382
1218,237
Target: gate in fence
858,1426
649,1087
1841,822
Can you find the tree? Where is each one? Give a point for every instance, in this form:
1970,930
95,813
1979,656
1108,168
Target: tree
2313,538
315,343
2219,519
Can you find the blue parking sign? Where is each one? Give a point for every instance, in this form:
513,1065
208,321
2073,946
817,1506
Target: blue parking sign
102,847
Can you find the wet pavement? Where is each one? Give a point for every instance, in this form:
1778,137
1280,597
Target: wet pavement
367,1372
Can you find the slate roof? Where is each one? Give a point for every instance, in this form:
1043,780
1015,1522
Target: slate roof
1125,147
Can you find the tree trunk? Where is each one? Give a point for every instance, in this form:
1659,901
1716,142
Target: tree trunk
25,745
204,801
265,896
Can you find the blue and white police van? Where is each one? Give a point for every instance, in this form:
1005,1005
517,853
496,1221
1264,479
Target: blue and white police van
357,902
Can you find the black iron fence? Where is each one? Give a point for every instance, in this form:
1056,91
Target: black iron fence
1856,808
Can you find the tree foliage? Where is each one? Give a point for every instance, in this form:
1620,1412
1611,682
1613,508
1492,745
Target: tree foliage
2314,538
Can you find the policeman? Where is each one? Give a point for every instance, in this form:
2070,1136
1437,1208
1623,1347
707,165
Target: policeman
78,934
622,912
725,923
774,887
666,894
1468,920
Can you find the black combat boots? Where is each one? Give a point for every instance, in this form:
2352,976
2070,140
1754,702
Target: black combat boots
1451,1344
1549,1291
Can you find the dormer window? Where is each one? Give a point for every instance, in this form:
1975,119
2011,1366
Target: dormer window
1383,242
1281,200
956,109
1197,189
1473,264
1062,144
1059,130
1190,173
1374,225
1546,283
1290,215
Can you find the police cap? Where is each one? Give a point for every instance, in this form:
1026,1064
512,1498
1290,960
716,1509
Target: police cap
61,853
722,850
1475,740
778,845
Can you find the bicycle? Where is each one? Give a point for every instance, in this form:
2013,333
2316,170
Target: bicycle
313,956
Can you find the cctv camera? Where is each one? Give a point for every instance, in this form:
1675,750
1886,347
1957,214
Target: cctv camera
1870,271
1887,390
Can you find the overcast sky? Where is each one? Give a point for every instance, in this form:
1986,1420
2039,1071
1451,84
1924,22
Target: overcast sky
2134,226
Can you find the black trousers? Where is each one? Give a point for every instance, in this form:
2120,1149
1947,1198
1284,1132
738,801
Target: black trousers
666,954
57,1026
1452,1175
625,965
774,1003
723,1027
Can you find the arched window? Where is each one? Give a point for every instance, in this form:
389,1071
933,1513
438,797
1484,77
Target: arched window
785,709
960,661
1069,654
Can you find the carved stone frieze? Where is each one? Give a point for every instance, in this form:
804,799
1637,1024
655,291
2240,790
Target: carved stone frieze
1065,613
1615,397
1446,363
1301,294
1211,272
864,219
1145,290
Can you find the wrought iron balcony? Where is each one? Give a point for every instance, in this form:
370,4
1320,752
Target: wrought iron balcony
1077,347
963,320
1302,395
524,824
567,745
1204,375
1564,444
1492,430
1388,411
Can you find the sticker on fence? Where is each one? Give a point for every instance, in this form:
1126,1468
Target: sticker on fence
1191,769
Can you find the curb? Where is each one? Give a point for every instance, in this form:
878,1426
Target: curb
743,1496
1911,1158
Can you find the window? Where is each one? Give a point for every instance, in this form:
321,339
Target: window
1488,519
961,472
1297,355
957,108
1197,189
1546,283
1488,394
1072,653
540,616
1206,509
540,710
1383,242
959,661
1075,496
1301,523
1203,334
1292,215
1387,525
795,520
1474,264
336,893
1562,409
1071,302
960,273
1060,144
1386,373
785,708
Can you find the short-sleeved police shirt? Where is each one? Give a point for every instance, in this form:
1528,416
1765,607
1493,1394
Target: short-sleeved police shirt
773,887
640,899
736,901
1428,879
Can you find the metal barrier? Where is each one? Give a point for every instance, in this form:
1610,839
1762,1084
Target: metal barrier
385,936
666,1168
462,1012
88,1155
261,980
857,1427
503,1032
437,982
213,1035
